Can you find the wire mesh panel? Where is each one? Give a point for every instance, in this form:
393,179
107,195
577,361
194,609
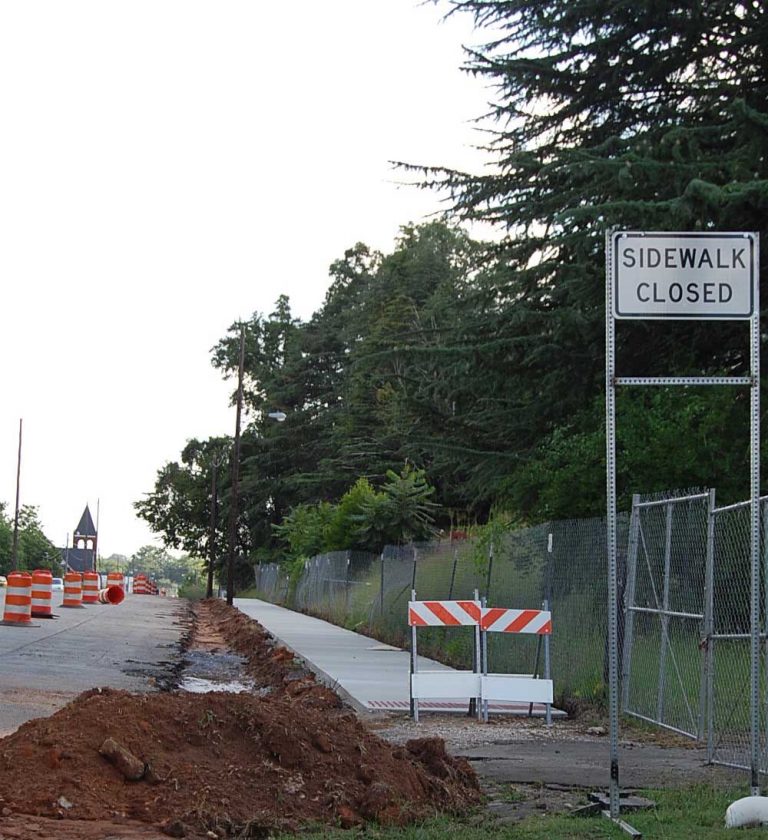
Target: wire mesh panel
564,562
271,582
729,739
662,672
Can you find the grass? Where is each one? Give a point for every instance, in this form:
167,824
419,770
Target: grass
687,814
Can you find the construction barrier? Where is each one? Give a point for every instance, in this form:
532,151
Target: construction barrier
111,595
90,587
18,600
116,579
447,684
498,620
514,688
477,684
443,613
140,585
42,590
73,590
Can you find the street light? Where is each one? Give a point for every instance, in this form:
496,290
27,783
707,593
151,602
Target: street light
276,415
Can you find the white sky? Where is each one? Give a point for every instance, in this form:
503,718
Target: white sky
170,166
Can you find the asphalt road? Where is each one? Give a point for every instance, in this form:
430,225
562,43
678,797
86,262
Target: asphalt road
134,645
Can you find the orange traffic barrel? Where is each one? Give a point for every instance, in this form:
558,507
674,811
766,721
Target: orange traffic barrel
42,589
90,587
111,595
73,590
140,585
116,579
18,600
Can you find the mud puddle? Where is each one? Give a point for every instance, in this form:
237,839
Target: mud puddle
217,670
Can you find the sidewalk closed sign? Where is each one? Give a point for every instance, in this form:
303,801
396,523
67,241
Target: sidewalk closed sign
684,275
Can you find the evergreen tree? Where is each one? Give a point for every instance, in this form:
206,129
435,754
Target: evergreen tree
649,116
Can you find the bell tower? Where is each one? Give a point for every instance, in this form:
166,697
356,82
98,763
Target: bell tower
85,536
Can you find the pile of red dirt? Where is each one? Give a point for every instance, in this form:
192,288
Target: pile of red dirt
231,764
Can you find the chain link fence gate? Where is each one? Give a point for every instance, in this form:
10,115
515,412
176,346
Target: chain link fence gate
727,628
686,652
663,677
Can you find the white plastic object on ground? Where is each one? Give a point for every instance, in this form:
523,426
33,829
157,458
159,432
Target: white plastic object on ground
749,812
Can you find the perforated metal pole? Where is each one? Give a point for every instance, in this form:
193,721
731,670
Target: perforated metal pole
484,647
478,661
709,628
755,511
547,669
414,666
610,458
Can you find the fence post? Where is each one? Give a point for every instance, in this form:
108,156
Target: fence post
347,586
381,588
629,600
664,618
706,704
453,573
490,569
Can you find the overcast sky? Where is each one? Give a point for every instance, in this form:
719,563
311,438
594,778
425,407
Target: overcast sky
170,166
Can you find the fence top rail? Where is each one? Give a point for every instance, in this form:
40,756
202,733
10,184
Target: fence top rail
673,501
738,505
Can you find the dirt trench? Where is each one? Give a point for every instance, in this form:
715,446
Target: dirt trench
220,764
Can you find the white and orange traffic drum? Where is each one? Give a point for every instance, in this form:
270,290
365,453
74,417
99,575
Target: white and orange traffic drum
42,589
73,590
18,600
90,587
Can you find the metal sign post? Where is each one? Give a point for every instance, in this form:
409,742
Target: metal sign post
682,276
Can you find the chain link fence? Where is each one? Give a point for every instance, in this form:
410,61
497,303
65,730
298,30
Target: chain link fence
728,666
563,562
662,662
687,641
684,570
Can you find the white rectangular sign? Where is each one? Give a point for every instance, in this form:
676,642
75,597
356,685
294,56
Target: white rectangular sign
684,275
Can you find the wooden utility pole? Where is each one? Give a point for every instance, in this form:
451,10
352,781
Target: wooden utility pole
235,477
215,462
15,546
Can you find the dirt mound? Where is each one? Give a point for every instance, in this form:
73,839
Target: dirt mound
228,763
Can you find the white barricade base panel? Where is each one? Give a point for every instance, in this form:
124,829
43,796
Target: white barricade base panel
446,685
514,688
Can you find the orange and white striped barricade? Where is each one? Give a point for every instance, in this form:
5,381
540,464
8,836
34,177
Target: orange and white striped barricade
116,579
18,601
447,684
140,585
91,587
73,590
112,595
516,688
42,592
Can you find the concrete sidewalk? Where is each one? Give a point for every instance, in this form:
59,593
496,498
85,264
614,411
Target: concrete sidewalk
371,675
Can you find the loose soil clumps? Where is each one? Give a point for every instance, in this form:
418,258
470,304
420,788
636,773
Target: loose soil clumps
231,764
